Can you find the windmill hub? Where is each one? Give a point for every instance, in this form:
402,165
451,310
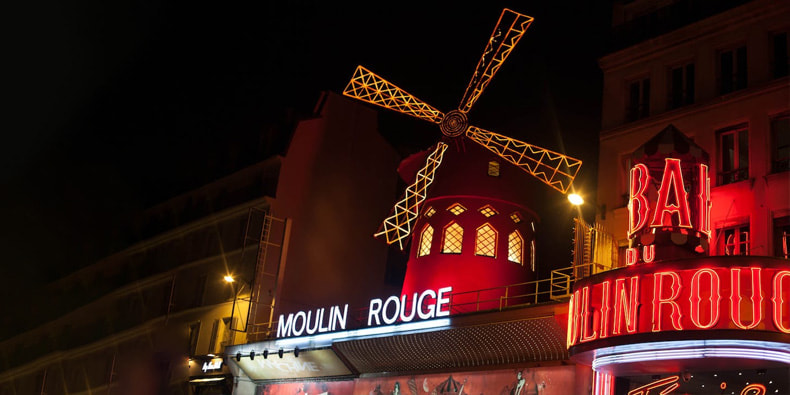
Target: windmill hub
454,124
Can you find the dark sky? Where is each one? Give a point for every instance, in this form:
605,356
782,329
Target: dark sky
112,107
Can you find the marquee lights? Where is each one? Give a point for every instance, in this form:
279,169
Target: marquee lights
677,300
662,351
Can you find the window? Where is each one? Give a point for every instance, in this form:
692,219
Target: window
516,217
194,334
212,343
453,235
515,248
425,240
456,209
488,211
638,100
227,333
200,290
780,144
734,240
782,237
681,86
732,70
733,155
780,55
493,169
430,212
485,242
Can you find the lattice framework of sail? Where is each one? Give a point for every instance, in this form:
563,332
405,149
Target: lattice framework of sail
552,168
398,225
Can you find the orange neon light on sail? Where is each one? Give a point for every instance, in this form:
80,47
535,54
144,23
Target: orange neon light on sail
552,168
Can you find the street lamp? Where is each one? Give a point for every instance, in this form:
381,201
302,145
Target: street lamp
575,199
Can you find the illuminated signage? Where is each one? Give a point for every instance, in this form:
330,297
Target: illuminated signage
214,364
676,202
733,295
426,305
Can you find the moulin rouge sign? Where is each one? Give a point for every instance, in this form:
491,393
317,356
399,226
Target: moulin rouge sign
740,293
421,306
669,285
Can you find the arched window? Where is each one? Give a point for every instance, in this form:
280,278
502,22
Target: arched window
453,235
485,243
515,248
425,240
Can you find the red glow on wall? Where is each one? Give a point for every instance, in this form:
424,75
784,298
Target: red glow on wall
672,182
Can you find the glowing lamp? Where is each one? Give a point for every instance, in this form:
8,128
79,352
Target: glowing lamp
229,278
575,199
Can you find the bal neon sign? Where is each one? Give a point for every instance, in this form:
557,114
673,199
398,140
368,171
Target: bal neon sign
673,206
424,306
634,301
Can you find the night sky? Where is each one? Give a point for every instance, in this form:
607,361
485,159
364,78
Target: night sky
112,107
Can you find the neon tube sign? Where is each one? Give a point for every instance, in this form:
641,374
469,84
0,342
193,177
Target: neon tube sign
636,300
423,306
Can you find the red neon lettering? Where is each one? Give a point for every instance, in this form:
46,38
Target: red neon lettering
637,204
753,389
648,253
670,383
778,300
605,308
672,179
658,299
587,314
574,318
631,256
714,298
757,298
625,305
703,200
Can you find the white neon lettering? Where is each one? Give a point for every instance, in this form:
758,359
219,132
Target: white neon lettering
431,307
391,299
442,301
373,312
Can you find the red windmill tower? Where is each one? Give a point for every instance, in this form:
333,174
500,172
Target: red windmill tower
474,230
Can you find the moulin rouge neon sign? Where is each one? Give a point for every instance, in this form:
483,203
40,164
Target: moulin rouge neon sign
651,300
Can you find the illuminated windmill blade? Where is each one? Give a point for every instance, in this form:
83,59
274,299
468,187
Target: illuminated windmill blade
554,169
371,88
398,225
508,31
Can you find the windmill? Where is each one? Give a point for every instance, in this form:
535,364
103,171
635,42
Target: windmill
552,168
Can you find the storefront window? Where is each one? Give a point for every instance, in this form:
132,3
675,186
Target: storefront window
767,381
